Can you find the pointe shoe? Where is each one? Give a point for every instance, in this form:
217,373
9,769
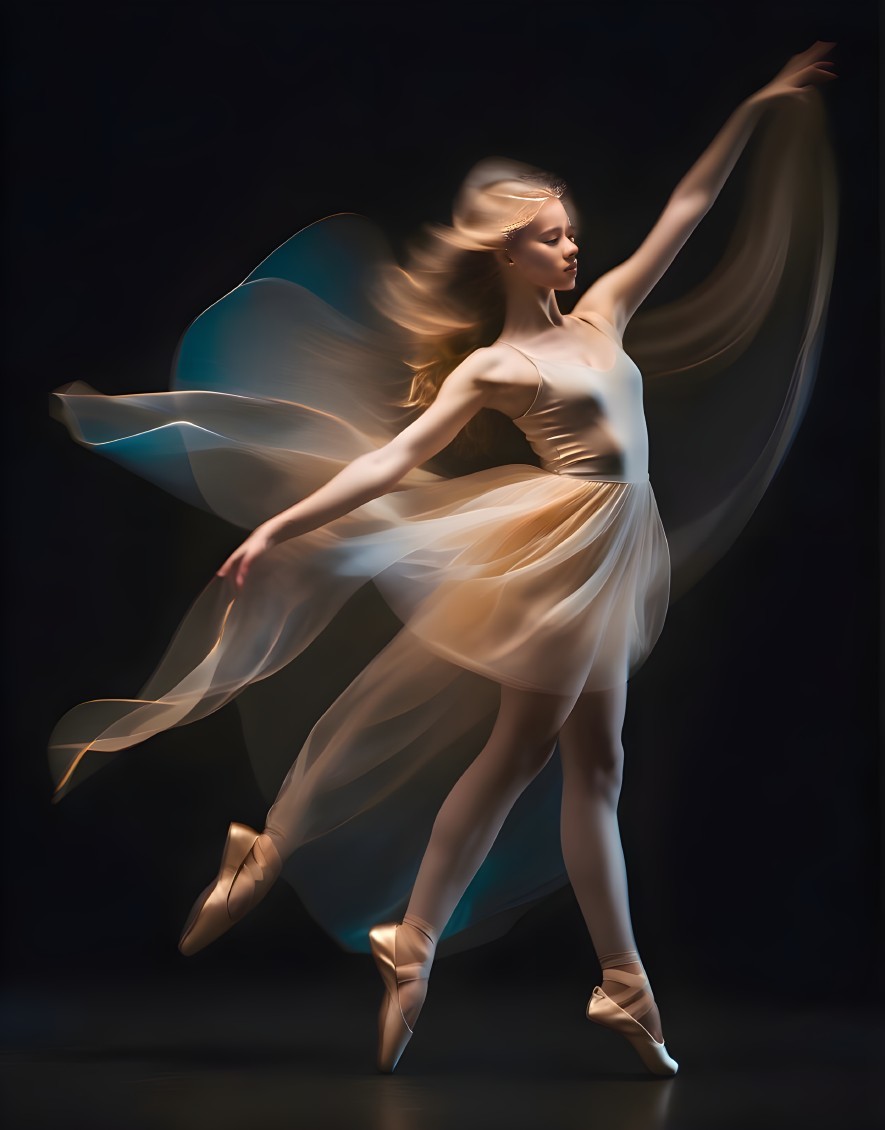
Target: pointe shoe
393,1031
243,864
601,1009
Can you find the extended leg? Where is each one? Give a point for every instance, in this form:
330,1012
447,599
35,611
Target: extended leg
592,766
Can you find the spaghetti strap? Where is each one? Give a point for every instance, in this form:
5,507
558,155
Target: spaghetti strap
609,329
537,370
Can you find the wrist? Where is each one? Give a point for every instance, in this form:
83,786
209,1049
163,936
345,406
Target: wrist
272,530
754,104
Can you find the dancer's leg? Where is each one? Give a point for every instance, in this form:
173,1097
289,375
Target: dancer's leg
592,766
521,743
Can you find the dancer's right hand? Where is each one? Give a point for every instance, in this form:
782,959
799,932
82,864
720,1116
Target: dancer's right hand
800,73
238,564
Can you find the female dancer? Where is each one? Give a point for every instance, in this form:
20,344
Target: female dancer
549,584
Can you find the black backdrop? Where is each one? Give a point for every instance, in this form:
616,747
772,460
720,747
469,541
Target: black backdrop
154,154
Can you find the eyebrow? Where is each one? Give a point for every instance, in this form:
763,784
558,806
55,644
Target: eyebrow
555,228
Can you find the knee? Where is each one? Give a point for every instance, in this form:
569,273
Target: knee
531,755
526,730
597,768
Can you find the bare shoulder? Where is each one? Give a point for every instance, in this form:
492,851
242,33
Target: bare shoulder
497,358
501,363
507,377
493,367
499,375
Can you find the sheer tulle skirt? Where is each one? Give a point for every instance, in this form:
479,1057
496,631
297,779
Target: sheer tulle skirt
540,581
509,575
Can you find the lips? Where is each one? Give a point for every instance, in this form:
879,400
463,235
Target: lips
573,267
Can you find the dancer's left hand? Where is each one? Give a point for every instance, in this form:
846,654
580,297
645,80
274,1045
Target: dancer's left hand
237,566
803,71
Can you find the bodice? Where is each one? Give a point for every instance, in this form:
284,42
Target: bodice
588,422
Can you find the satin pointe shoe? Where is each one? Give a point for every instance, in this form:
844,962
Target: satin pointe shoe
246,874
601,1009
393,1031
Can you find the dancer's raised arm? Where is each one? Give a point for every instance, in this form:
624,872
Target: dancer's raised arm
618,293
463,393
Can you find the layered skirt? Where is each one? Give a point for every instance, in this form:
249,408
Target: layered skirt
510,575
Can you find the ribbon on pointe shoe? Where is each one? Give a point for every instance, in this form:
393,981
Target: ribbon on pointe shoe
602,1009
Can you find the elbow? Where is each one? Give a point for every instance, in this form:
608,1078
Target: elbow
693,204
383,471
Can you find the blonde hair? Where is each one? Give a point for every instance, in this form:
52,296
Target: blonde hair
450,297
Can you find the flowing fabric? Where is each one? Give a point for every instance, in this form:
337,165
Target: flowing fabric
446,586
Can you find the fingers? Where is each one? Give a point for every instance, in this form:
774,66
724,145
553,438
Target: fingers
817,71
818,48
238,565
812,56
238,577
225,569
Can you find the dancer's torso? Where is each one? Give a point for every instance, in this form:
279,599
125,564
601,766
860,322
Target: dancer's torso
588,422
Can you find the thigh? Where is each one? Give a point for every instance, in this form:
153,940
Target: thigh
522,740
590,738
531,718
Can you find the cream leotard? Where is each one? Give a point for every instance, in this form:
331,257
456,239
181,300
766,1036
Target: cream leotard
588,422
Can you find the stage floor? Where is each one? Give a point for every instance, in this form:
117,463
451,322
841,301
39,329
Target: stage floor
204,1050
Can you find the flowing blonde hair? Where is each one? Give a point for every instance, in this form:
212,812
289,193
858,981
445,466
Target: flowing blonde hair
450,297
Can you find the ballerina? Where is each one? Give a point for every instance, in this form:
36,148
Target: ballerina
529,595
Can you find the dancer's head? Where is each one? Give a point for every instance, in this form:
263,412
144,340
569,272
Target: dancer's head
512,226
523,216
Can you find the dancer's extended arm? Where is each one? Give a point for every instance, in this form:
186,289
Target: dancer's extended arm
617,294
463,393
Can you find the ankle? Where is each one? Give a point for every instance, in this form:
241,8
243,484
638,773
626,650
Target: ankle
272,842
416,941
633,993
626,960
619,958
421,924
636,983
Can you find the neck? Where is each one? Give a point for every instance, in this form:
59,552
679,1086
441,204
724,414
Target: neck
530,310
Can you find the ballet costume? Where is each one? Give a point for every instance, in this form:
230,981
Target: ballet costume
550,573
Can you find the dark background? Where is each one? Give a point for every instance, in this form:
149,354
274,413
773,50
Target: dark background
155,153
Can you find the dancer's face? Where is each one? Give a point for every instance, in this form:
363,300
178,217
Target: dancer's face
544,250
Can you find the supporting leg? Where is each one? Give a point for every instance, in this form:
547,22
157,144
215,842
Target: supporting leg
592,765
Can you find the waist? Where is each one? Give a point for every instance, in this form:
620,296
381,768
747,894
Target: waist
602,456
589,476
